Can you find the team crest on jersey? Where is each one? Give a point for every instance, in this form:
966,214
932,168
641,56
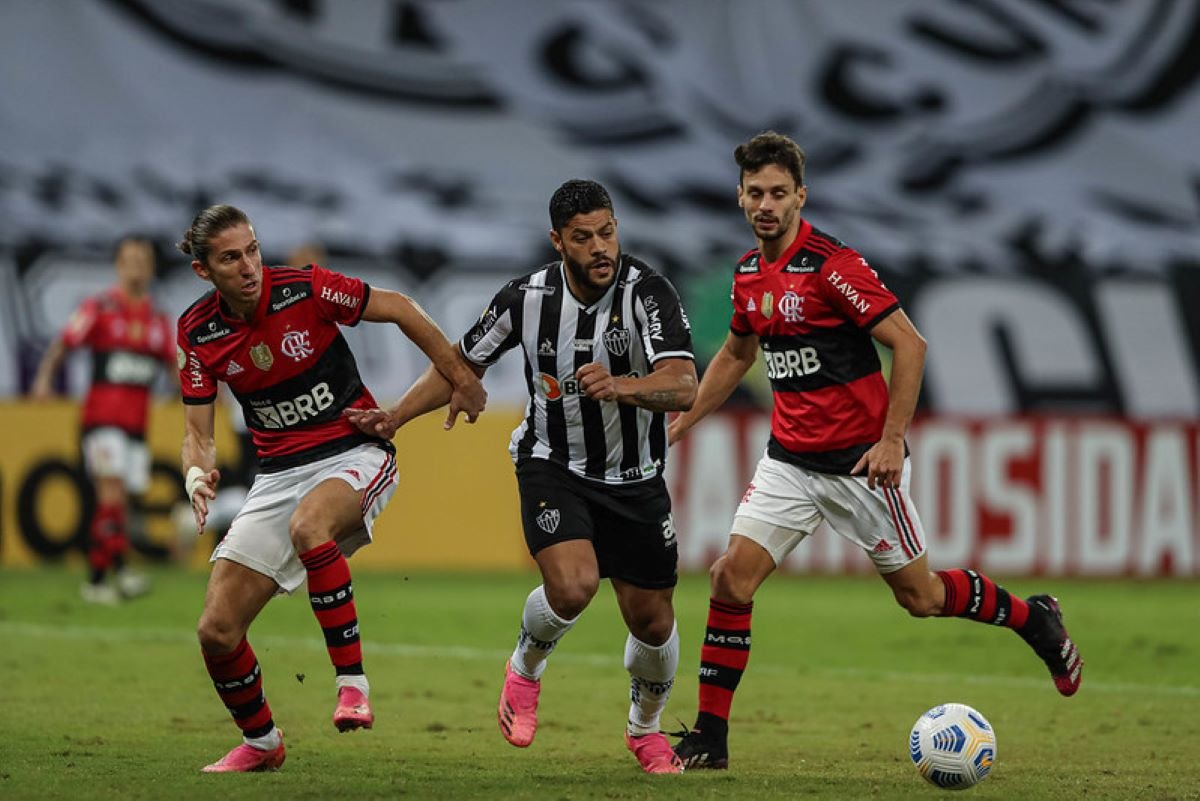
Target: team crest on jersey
262,357
295,345
768,305
616,340
548,520
791,305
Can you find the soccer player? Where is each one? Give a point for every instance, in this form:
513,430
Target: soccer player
272,335
608,353
130,342
837,450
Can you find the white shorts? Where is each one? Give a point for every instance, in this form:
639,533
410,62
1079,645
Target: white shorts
785,503
258,536
112,453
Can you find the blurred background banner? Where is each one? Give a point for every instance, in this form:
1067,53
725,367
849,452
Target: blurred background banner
1023,175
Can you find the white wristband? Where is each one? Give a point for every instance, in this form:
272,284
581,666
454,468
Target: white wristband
195,477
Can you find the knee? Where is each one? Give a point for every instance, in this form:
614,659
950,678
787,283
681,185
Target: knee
305,531
654,629
217,636
569,598
728,583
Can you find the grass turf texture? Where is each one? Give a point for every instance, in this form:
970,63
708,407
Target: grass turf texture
106,703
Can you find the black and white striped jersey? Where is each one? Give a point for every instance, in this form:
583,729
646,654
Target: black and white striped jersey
638,321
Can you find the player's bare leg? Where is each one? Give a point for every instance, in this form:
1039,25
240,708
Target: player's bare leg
734,578
331,511
570,578
972,595
651,657
236,594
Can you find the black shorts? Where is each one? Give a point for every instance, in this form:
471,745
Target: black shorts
629,526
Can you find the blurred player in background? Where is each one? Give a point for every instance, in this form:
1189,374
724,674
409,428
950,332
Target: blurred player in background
272,335
608,353
130,343
837,450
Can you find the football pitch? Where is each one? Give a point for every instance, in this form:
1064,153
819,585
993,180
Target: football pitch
102,703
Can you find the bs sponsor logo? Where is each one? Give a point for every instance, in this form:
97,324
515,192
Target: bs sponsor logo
300,409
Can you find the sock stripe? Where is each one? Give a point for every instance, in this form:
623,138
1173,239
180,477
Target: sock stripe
237,678
730,608
320,557
714,674
732,639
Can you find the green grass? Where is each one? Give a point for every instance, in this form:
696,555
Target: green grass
114,703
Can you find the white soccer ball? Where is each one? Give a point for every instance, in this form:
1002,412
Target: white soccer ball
953,746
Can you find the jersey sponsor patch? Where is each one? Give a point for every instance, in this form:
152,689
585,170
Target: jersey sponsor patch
209,331
287,294
300,409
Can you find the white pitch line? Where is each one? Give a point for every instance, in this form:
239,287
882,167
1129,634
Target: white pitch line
16,629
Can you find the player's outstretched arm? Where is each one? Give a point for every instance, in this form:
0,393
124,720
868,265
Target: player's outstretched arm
722,376
430,391
468,395
199,459
43,380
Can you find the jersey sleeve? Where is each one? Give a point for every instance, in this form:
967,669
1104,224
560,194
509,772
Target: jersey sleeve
496,330
196,382
666,332
854,289
339,298
739,324
81,324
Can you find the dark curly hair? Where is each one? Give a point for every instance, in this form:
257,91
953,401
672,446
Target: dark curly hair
577,197
770,148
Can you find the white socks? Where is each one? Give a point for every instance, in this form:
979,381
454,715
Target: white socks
268,742
541,629
358,681
652,673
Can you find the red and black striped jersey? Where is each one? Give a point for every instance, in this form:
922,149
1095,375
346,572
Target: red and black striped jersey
813,310
130,341
289,366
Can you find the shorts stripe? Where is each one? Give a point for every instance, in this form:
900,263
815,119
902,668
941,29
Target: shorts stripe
384,479
900,524
912,531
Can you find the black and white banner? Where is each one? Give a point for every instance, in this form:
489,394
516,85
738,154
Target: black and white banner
1022,174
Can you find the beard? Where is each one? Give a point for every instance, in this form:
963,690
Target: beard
581,274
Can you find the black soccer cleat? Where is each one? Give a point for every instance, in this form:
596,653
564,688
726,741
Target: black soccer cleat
1047,636
705,747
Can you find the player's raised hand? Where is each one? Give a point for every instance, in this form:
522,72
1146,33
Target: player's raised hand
597,382
373,422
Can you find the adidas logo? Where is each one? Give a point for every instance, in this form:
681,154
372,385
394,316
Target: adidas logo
234,368
883,546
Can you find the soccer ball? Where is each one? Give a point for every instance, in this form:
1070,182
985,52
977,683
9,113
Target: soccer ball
953,746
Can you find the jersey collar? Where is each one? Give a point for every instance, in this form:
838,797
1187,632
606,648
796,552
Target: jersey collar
782,261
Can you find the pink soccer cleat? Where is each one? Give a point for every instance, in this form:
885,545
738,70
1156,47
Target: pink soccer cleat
248,759
353,710
517,712
654,753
